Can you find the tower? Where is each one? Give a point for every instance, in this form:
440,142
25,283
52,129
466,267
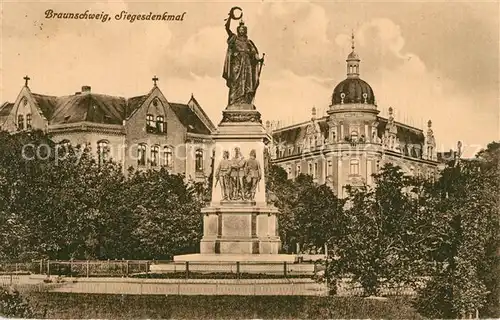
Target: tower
353,128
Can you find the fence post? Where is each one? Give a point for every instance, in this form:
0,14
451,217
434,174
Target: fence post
238,269
126,270
71,267
16,266
48,268
147,269
284,269
88,268
187,270
41,266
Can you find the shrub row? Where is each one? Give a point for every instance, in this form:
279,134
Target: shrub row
69,305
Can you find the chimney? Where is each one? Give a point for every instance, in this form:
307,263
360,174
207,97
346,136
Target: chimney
86,89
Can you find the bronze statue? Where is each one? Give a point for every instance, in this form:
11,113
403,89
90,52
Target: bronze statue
242,65
252,175
237,173
223,174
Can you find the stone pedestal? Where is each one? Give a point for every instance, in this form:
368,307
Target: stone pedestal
238,229
240,226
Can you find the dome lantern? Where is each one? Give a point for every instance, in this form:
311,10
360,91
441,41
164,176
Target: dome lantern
353,61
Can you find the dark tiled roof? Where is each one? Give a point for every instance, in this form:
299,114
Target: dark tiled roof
411,139
5,111
100,108
47,104
133,104
189,119
89,107
296,134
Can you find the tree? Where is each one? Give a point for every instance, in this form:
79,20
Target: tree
168,214
378,232
464,278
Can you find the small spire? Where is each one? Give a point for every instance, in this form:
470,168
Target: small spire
429,124
26,79
352,61
352,40
155,79
313,112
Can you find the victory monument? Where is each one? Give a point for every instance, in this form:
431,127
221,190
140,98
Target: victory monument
239,224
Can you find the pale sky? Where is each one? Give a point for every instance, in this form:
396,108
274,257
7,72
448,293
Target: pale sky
428,60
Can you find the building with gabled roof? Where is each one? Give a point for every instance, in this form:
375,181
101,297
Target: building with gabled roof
142,132
352,142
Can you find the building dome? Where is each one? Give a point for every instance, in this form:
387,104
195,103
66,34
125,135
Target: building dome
353,90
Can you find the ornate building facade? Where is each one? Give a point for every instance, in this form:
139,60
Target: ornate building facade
142,132
350,143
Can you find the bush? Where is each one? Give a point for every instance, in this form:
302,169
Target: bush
219,275
13,305
117,306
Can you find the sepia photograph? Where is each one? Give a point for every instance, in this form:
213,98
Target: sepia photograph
249,160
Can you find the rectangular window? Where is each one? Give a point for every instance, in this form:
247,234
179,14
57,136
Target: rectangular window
160,124
150,124
310,167
354,168
154,155
167,157
329,168
20,122
199,160
141,155
28,121
297,171
102,151
316,170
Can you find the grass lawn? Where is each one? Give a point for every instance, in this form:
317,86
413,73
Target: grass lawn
111,306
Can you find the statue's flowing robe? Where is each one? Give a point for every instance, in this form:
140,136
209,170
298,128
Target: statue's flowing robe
241,69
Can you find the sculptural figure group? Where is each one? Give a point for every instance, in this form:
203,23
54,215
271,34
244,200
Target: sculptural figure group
238,177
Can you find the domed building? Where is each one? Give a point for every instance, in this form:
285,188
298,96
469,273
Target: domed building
352,142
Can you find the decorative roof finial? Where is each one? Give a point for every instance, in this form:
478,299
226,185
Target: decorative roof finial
313,112
352,40
26,79
155,79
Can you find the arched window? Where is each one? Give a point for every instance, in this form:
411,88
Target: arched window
333,135
20,122
354,136
103,150
160,124
167,157
141,155
155,151
297,170
199,160
354,167
28,121
150,123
